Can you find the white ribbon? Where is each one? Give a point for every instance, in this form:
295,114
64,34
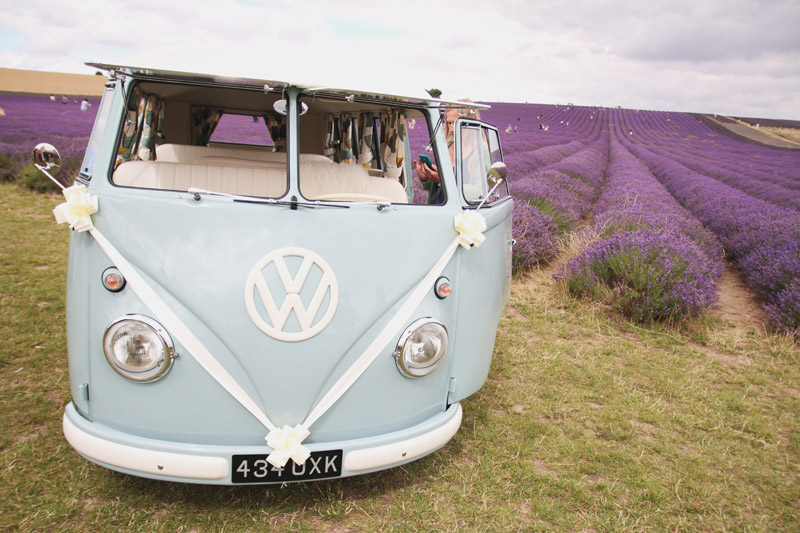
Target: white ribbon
78,209
470,226
172,323
286,444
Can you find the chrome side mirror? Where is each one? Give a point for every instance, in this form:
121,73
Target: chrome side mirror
47,158
496,175
494,179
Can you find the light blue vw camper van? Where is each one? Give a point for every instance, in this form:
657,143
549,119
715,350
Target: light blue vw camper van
290,308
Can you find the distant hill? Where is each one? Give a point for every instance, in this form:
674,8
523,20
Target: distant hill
59,84
742,130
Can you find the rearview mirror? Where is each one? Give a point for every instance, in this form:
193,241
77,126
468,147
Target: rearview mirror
281,105
496,175
47,158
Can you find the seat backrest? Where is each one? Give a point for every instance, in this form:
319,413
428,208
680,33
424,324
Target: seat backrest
184,153
256,178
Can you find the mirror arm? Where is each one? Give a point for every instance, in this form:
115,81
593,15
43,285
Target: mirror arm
46,157
46,173
489,194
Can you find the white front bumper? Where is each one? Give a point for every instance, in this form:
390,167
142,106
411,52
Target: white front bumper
212,464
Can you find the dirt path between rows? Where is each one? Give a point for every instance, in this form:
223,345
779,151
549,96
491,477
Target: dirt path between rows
738,306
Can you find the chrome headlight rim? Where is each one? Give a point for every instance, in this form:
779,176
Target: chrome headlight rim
407,368
156,371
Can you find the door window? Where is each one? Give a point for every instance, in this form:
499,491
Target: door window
478,149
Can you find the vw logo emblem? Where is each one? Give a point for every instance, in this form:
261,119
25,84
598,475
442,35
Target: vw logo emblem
306,302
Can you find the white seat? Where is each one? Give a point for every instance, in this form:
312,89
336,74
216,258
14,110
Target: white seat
184,153
245,181
254,178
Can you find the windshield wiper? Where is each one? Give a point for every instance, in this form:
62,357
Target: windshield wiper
293,203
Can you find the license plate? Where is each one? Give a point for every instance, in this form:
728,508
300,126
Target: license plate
256,469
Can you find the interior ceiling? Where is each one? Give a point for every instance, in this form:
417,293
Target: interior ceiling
256,101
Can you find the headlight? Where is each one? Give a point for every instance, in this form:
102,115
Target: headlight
138,348
421,347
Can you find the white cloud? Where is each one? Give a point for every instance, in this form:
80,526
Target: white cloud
727,56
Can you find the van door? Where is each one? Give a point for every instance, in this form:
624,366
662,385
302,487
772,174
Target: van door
485,272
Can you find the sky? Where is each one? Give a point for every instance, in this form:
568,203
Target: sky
731,57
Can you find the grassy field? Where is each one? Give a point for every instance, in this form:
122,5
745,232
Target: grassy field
587,423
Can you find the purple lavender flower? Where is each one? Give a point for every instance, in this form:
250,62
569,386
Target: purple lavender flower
535,234
646,274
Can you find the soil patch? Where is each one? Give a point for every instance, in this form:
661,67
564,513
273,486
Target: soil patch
738,306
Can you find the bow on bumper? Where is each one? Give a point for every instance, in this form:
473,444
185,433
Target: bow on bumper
286,444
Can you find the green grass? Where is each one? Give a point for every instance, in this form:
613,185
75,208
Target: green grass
586,423
560,220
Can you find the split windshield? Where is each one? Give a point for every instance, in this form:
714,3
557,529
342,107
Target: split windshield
235,141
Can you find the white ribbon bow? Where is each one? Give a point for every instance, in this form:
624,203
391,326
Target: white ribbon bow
78,208
286,444
470,226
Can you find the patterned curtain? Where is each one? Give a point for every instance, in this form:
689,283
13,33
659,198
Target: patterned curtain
128,137
355,139
276,123
142,125
332,140
204,121
346,150
151,119
393,124
366,123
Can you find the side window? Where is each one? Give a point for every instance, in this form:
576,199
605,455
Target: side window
472,164
497,191
98,132
478,148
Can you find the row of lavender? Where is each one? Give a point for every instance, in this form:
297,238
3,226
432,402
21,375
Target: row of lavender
655,261
766,173
747,194
763,238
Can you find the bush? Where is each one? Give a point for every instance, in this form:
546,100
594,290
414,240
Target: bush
535,234
34,179
7,172
647,275
784,310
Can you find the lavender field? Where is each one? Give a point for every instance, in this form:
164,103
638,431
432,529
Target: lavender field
31,119
669,197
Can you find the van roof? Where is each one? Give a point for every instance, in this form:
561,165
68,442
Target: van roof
268,85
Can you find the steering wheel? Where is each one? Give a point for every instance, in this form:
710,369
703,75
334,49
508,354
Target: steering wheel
358,197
